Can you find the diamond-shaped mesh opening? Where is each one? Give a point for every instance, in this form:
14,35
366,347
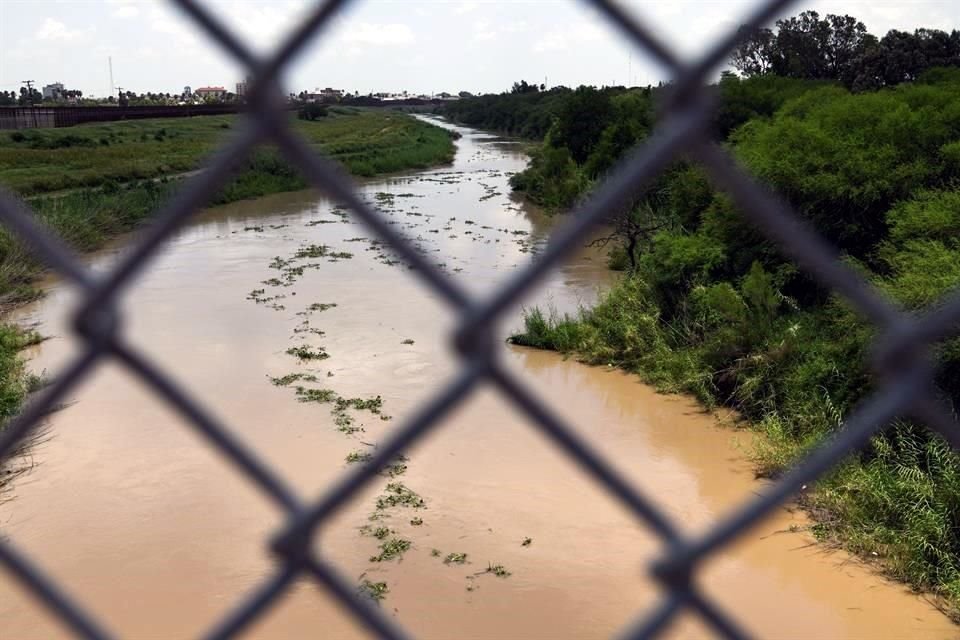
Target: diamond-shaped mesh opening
907,388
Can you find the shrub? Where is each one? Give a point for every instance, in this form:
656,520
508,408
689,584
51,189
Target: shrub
311,111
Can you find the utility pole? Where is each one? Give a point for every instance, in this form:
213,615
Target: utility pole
29,84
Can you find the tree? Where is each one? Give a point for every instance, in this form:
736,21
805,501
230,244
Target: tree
846,40
524,87
800,46
311,111
581,122
752,56
839,48
633,231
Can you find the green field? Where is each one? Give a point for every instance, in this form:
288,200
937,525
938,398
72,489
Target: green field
43,160
90,182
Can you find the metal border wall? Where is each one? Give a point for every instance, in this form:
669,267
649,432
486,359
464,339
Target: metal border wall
900,358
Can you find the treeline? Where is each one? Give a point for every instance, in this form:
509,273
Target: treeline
709,306
526,111
840,48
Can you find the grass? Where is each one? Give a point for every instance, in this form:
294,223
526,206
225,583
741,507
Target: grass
113,171
367,143
16,384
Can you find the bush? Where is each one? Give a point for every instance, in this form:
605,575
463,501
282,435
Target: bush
312,111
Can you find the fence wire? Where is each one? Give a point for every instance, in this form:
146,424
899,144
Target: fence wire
900,353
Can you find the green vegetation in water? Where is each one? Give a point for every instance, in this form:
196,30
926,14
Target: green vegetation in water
344,422
498,570
358,456
380,533
376,591
710,307
391,549
322,396
416,521
290,378
526,542
407,341
319,306
304,353
321,251
455,558
398,494
395,469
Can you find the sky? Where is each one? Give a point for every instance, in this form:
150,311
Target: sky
377,45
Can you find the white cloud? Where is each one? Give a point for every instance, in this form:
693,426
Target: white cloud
568,36
466,7
483,30
126,11
53,30
262,25
378,34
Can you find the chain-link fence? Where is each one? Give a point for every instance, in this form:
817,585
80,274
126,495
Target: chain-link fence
901,356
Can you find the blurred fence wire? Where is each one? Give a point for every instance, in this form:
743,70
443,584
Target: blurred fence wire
900,354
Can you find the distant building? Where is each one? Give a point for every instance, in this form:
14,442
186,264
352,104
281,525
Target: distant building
243,86
325,95
54,91
215,93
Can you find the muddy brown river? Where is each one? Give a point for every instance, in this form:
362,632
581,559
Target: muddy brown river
152,531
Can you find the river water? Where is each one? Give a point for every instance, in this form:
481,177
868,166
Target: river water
153,532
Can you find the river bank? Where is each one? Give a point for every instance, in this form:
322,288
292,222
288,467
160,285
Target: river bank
126,502
114,177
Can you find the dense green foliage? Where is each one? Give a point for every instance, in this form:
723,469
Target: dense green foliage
527,113
839,48
712,308
591,128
